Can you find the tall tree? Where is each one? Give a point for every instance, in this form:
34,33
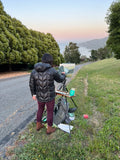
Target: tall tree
113,20
71,53
67,54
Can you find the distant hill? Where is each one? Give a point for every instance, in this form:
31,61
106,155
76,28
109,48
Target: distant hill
88,45
94,44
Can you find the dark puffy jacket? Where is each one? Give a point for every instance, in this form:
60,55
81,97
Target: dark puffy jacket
42,81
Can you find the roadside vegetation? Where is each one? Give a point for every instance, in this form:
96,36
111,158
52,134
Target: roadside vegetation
95,138
20,47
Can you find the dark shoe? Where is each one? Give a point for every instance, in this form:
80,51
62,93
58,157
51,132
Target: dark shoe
50,130
39,126
71,110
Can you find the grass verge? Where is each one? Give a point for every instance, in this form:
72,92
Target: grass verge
96,138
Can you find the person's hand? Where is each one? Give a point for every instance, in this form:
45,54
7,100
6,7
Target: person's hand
63,72
34,97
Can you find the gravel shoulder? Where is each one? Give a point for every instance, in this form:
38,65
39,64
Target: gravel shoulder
5,75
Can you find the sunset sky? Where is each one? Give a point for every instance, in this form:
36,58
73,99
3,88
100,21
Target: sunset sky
64,19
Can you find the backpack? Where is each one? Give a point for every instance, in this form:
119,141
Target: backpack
61,112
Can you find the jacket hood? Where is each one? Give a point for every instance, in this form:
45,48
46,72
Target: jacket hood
41,67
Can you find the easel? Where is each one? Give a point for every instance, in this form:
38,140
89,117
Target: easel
63,91
65,94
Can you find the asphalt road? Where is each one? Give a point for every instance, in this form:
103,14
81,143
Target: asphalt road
17,108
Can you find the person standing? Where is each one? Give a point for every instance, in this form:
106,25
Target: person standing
42,88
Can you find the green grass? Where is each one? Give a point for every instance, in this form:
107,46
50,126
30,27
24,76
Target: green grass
95,138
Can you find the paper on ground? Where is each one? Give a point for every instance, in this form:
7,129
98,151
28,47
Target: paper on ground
65,127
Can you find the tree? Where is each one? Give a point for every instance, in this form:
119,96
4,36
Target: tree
100,54
19,45
71,53
67,54
113,20
62,58
94,55
2,57
1,7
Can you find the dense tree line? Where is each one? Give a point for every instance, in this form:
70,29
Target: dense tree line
71,53
113,20
100,54
19,45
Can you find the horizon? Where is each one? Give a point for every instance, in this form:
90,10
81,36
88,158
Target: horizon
79,41
66,20
84,51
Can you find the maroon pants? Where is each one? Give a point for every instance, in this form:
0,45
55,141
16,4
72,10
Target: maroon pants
50,108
